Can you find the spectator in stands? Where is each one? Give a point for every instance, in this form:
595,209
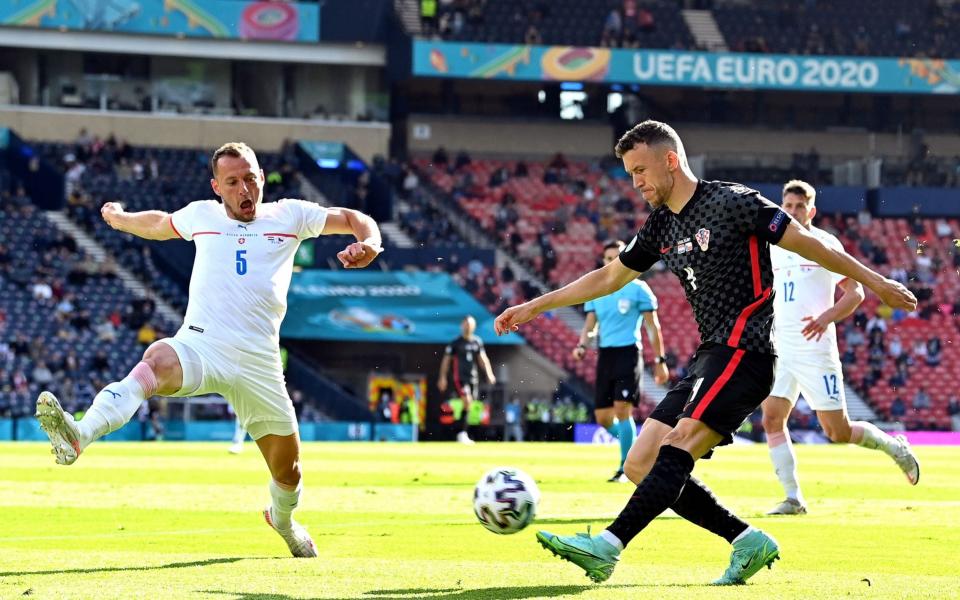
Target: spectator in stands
42,292
146,334
953,411
462,160
521,169
897,408
440,158
895,347
612,29
899,377
41,374
921,400
854,337
876,322
919,352
105,330
532,37
934,352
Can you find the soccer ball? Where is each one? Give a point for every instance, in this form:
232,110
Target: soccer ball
505,500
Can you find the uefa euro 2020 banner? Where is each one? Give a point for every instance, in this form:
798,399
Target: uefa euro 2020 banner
372,306
681,68
276,21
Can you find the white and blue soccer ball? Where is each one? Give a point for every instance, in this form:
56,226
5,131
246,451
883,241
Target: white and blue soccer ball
505,500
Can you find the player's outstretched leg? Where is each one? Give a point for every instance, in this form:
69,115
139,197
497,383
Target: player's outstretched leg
594,554
870,436
752,550
60,428
656,493
111,409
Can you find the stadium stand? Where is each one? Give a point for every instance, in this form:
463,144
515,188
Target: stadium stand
626,23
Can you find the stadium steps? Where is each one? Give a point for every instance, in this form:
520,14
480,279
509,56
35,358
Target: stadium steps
408,12
137,287
857,408
393,236
705,30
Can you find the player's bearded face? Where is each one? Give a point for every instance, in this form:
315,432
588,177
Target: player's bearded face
239,183
649,169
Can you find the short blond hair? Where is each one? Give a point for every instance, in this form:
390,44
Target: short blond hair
237,149
801,188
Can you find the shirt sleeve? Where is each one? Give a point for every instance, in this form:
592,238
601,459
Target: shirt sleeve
640,254
645,298
760,217
309,217
589,306
184,221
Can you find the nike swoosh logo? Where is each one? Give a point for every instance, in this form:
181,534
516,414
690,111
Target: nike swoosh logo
665,250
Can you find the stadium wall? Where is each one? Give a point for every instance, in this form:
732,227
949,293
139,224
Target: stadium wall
200,131
586,139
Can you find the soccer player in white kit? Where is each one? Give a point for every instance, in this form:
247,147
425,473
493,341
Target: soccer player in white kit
229,342
808,360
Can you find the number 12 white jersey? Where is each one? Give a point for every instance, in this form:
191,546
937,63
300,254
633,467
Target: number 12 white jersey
242,271
803,289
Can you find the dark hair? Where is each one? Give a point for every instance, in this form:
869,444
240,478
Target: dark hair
237,149
651,133
613,244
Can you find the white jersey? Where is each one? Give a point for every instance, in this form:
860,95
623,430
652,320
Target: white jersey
242,271
804,289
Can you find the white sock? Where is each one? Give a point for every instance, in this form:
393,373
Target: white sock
239,435
785,464
612,539
284,503
870,436
112,408
743,534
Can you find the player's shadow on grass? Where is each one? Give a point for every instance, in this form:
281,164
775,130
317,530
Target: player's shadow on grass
492,593
177,565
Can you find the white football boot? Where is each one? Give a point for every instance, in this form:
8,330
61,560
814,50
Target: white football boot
298,540
60,428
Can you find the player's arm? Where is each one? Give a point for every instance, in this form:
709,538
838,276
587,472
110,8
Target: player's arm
852,297
487,367
353,222
148,224
798,239
651,322
442,379
589,327
599,282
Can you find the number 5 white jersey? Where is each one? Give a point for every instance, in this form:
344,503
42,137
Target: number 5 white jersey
803,289
242,271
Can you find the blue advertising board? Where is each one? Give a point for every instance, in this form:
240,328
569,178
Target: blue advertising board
239,19
682,68
371,306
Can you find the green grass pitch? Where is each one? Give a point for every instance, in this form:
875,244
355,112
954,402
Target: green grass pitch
394,522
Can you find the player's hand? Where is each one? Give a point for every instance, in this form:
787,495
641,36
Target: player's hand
579,352
442,384
815,327
512,318
895,295
661,374
358,255
111,212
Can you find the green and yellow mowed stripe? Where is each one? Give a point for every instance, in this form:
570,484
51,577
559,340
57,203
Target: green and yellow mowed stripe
395,521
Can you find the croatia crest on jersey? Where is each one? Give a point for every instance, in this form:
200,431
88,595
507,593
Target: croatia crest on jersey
703,239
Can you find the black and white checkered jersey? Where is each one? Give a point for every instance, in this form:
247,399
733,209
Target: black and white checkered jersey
718,246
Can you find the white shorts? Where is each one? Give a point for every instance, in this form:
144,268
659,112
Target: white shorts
819,378
253,384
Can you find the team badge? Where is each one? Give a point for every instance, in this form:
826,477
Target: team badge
623,305
703,239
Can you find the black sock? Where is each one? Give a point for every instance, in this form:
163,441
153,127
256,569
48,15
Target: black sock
656,493
698,505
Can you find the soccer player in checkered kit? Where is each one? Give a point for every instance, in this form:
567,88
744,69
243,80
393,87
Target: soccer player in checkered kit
715,237
229,342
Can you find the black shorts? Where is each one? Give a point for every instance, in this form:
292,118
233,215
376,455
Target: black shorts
724,387
467,387
618,376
